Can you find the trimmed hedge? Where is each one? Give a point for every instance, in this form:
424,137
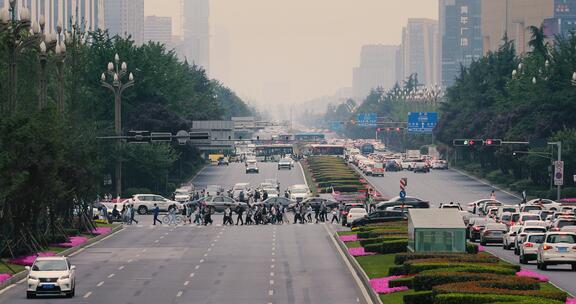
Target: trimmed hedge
394,237
431,279
472,248
388,247
424,297
487,287
400,258
379,233
417,266
460,298
408,282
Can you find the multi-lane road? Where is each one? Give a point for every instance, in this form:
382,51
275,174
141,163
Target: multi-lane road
214,264
452,186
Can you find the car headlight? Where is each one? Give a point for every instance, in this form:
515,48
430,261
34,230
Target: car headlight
65,277
31,277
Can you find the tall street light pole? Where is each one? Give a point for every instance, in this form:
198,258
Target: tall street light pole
22,34
116,73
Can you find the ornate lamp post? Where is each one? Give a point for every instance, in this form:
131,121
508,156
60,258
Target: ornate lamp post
22,34
116,72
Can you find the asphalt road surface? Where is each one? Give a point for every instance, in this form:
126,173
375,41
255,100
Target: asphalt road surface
211,265
444,186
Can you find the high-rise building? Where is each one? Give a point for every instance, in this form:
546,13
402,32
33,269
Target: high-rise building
513,19
377,69
158,29
87,12
125,18
564,20
460,27
421,51
196,38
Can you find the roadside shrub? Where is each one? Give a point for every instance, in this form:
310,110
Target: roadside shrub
379,233
457,257
372,247
364,242
480,288
408,282
472,248
56,238
423,297
71,231
427,281
420,266
395,246
459,298
397,270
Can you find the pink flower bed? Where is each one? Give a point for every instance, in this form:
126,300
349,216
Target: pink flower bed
28,260
349,238
532,274
102,230
4,277
381,285
73,242
481,248
359,251
571,301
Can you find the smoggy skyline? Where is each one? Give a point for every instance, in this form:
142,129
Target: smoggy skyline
301,49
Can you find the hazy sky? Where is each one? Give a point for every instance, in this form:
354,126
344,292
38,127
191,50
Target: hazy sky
297,49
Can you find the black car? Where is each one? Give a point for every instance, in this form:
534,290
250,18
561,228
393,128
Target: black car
408,201
279,200
393,166
379,217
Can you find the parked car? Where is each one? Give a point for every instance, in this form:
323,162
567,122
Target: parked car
524,231
354,214
278,200
182,194
557,248
252,166
528,217
285,163
144,203
477,205
379,217
51,276
529,248
493,233
508,240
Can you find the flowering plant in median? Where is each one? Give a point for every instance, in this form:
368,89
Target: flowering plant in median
102,230
381,285
571,301
359,251
532,274
73,242
28,260
349,238
4,277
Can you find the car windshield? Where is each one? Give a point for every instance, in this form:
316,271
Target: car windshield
356,210
531,217
50,265
536,239
535,229
450,206
506,217
515,217
528,208
566,223
561,238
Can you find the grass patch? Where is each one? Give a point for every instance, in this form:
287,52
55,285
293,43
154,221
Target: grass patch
352,244
16,268
376,266
347,232
56,249
396,297
309,180
545,286
105,225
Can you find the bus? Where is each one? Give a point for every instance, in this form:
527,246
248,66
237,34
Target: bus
272,152
367,149
335,150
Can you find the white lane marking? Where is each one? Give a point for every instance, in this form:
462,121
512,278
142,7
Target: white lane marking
77,252
209,249
130,260
272,266
111,275
201,261
144,250
271,282
121,267
6,289
186,283
197,266
273,253
179,294
138,255
161,237
212,245
100,284
273,260
205,254
22,281
156,241
87,294
270,292
166,233
272,274
192,275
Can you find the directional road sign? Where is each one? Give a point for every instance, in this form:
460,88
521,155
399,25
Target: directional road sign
422,122
402,194
558,173
367,119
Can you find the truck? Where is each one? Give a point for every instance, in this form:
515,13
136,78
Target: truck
378,169
413,154
215,158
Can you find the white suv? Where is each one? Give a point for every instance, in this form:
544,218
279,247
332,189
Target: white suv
144,203
557,248
51,276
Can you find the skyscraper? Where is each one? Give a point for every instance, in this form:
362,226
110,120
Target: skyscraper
421,50
512,18
125,18
88,12
196,38
158,29
564,20
377,69
461,33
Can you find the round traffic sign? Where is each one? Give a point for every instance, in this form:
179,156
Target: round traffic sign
559,175
183,137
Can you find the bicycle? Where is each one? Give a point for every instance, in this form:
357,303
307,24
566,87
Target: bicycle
178,219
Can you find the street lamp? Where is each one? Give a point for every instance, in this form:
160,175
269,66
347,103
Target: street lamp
60,51
22,34
116,73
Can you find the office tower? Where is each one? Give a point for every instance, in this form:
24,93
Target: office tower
421,50
196,38
564,20
460,27
158,29
125,18
377,69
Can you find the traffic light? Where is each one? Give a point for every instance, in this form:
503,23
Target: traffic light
467,142
493,142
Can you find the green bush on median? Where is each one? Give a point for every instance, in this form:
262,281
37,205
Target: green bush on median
471,298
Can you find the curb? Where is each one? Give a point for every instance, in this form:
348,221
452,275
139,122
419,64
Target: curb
303,175
360,277
68,252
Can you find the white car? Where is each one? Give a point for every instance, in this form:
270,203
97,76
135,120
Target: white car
354,214
214,190
557,248
285,163
182,194
144,203
522,233
440,165
251,166
51,276
272,192
529,248
510,237
546,204
298,193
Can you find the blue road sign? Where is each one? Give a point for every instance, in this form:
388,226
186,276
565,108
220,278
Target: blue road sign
402,195
422,122
367,119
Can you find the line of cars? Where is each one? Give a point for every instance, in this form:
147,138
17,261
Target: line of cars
539,230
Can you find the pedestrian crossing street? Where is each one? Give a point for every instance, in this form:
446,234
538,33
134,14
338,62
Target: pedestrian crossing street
194,226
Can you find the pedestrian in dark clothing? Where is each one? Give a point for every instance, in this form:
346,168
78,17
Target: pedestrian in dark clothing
265,196
132,214
241,196
256,196
240,212
302,212
208,217
296,213
249,216
156,212
317,213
